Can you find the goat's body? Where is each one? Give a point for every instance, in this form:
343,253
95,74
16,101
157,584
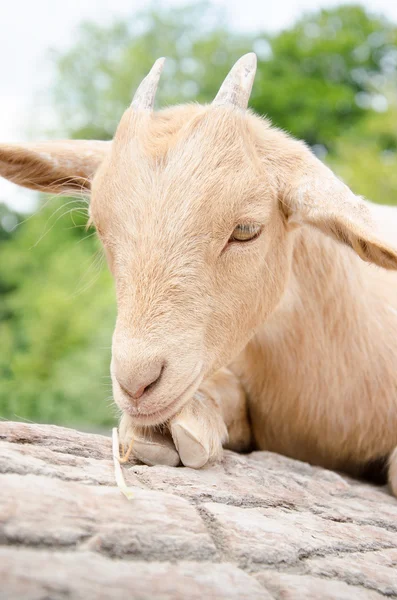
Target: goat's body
231,244
320,375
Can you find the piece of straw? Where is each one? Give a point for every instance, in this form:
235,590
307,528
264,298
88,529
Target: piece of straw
118,473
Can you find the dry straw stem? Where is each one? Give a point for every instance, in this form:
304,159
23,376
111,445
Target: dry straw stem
118,473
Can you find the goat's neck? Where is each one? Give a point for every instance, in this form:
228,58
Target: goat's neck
328,284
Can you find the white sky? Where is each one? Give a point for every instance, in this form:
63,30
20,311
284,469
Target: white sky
28,28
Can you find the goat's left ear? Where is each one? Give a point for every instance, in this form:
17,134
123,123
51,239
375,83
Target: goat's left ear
318,198
54,167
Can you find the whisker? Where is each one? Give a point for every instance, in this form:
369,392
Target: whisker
24,419
47,230
95,266
87,237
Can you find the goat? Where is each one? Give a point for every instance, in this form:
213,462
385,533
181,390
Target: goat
248,315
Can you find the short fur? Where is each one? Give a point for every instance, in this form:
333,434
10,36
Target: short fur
287,342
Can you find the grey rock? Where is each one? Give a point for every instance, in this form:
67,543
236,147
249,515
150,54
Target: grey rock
255,526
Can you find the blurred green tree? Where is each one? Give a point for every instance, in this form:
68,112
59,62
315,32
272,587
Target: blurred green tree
56,320
327,73
365,157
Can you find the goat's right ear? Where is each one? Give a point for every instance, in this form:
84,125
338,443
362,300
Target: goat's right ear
56,167
317,198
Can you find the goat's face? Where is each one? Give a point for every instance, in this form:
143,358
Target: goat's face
175,204
193,206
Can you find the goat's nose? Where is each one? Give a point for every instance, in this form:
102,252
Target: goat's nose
134,385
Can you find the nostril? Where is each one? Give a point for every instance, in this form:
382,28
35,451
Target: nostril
154,382
133,396
138,393
135,391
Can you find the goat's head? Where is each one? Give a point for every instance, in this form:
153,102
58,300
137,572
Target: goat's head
194,206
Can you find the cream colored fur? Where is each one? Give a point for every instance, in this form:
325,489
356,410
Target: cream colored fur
285,343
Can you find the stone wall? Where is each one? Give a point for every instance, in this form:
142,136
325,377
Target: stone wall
256,526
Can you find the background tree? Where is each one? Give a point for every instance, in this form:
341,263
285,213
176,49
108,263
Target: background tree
327,73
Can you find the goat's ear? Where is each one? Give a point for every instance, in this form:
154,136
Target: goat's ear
55,167
318,198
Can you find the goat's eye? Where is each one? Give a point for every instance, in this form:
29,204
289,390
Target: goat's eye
245,232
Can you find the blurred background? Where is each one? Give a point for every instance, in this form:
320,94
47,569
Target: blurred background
327,73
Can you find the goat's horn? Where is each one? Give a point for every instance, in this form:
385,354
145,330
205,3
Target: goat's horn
146,92
236,89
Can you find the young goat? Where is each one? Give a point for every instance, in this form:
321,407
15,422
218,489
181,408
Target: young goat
246,316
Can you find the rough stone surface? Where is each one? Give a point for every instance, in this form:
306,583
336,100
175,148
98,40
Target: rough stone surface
256,526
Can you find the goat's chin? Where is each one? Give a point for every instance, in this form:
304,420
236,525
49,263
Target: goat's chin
159,416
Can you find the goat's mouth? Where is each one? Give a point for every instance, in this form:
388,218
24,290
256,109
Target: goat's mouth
158,417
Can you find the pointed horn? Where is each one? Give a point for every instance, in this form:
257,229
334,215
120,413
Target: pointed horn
236,89
146,92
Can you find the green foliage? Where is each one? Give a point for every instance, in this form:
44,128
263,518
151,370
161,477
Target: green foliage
324,72
366,157
329,79
56,323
